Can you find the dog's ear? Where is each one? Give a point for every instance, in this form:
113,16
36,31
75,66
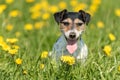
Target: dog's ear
59,15
86,16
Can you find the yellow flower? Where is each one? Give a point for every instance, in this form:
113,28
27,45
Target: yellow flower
53,9
68,59
9,1
118,68
35,8
112,37
2,8
107,49
117,12
62,5
18,61
73,3
36,15
96,2
45,16
93,8
17,34
14,13
28,27
44,54
44,4
9,27
39,25
15,47
12,40
100,24
30,1
5,47
12,51
80,6
42,66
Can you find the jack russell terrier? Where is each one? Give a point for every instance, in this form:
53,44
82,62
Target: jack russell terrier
72,25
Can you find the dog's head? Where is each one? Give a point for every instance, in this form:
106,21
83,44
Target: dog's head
72,24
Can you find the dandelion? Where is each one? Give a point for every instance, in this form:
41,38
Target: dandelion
112,37
100,24
36,15
35,8
53,9
42,66
117,12
12,51
73,3
5,47
45,16
44,4
62,5
96,2
12,40
25,72
2,8
14,13
9,27
93,8
39,25
44,54
9,1
15,47
28,27
68,59
82,6
107,49
30,1
18,61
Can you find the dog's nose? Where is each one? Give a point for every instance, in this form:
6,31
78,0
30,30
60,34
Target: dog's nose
72,35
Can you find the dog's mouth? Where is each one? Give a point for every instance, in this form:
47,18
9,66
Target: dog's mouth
71,45
71,41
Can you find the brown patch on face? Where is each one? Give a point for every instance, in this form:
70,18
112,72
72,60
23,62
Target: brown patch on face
66,24
79,24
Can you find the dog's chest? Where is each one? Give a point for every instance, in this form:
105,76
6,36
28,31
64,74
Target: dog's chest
59,49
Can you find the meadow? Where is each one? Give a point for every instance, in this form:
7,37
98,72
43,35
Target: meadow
28,31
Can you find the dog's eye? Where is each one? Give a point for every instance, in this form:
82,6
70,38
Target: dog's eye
79,24
66,23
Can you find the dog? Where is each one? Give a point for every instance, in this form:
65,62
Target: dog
72,25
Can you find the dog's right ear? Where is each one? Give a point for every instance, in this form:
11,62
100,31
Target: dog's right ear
59,15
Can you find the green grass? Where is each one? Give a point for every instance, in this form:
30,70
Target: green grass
98,65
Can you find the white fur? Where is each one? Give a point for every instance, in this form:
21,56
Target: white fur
83,53
78,33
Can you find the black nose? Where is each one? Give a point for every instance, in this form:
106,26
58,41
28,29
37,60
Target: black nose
72,35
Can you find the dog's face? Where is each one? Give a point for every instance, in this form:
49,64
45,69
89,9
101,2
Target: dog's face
72,24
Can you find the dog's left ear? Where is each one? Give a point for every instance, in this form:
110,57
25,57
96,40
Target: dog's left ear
59,15
86,16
